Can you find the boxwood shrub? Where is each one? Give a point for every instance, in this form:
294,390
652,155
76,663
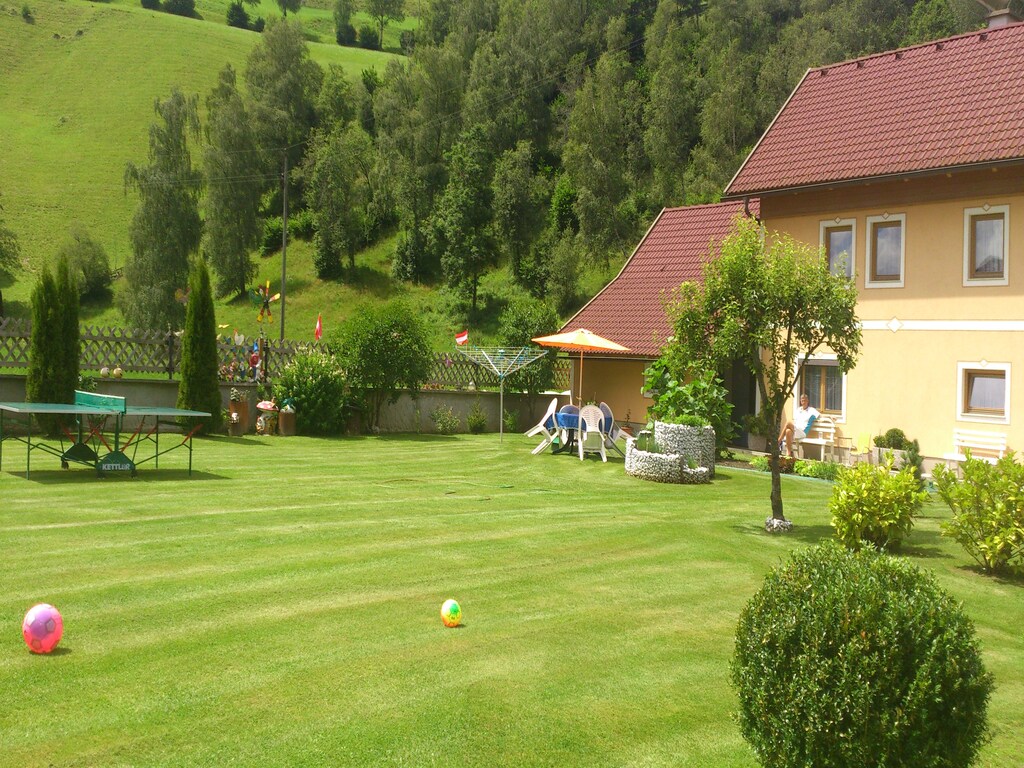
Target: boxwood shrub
849,659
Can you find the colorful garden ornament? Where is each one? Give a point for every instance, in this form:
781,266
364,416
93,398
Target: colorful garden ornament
42,628
261,298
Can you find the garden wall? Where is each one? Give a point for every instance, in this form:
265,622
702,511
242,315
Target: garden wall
407,415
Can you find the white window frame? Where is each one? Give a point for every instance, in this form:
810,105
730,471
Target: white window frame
822,359
869,247
979,418
835,224
986,210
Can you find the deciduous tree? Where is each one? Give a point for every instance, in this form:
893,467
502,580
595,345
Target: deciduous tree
9,250
166,228
769,304
344,32
340,163
88,261
383,11
518,205
234,187
283,83
463,216
383,349
522,321
288,5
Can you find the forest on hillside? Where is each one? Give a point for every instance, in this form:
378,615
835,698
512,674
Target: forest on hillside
547,134
540,136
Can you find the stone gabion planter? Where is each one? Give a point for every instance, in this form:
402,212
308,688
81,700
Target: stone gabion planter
692,443
662,467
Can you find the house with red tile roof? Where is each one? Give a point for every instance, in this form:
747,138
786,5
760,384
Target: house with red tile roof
907,169
630,309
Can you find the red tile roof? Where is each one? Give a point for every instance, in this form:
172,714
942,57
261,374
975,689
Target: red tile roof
629,309
949,103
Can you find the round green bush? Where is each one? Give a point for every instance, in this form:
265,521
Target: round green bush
850,659
315,382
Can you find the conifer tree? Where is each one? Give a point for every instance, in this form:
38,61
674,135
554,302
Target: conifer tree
68,337
199,389
53,349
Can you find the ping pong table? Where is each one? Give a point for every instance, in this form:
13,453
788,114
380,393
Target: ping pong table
88,443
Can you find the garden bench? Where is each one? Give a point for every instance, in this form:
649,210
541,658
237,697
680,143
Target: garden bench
987,446
821,434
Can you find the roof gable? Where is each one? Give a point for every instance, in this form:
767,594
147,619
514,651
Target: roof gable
629,310
949,103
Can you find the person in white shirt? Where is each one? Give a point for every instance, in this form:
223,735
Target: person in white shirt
803,417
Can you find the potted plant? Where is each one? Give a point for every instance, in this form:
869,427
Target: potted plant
894,442
625,426
757,432
238,410
286,417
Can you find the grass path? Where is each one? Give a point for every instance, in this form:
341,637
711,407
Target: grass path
281,608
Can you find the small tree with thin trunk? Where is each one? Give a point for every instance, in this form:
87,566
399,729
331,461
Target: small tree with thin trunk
771,303
199,389
383,11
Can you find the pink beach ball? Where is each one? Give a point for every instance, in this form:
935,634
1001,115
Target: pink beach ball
42,628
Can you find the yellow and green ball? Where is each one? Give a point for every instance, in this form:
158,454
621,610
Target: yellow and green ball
451,613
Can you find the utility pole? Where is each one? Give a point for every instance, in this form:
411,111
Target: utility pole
284,241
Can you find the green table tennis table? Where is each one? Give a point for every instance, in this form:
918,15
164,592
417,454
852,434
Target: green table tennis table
88,443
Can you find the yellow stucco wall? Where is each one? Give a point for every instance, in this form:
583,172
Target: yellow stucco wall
615,381
908,377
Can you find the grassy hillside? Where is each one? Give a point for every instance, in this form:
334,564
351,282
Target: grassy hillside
77,88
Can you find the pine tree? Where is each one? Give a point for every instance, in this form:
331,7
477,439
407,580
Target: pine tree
199,389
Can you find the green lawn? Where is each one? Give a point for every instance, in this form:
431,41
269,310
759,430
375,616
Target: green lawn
280,608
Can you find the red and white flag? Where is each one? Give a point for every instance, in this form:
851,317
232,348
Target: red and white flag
319,330
462,338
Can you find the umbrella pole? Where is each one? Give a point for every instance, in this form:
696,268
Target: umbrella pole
501,408
581,378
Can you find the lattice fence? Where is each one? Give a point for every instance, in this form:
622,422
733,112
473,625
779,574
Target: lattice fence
14,342
453,371
135,351
141,351
145,351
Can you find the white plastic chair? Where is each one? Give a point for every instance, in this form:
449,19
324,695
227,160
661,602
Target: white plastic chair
548,426
612,431
589,436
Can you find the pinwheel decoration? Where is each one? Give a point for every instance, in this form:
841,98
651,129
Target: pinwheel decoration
261,298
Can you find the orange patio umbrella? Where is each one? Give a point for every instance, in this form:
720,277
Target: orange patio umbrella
583,340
